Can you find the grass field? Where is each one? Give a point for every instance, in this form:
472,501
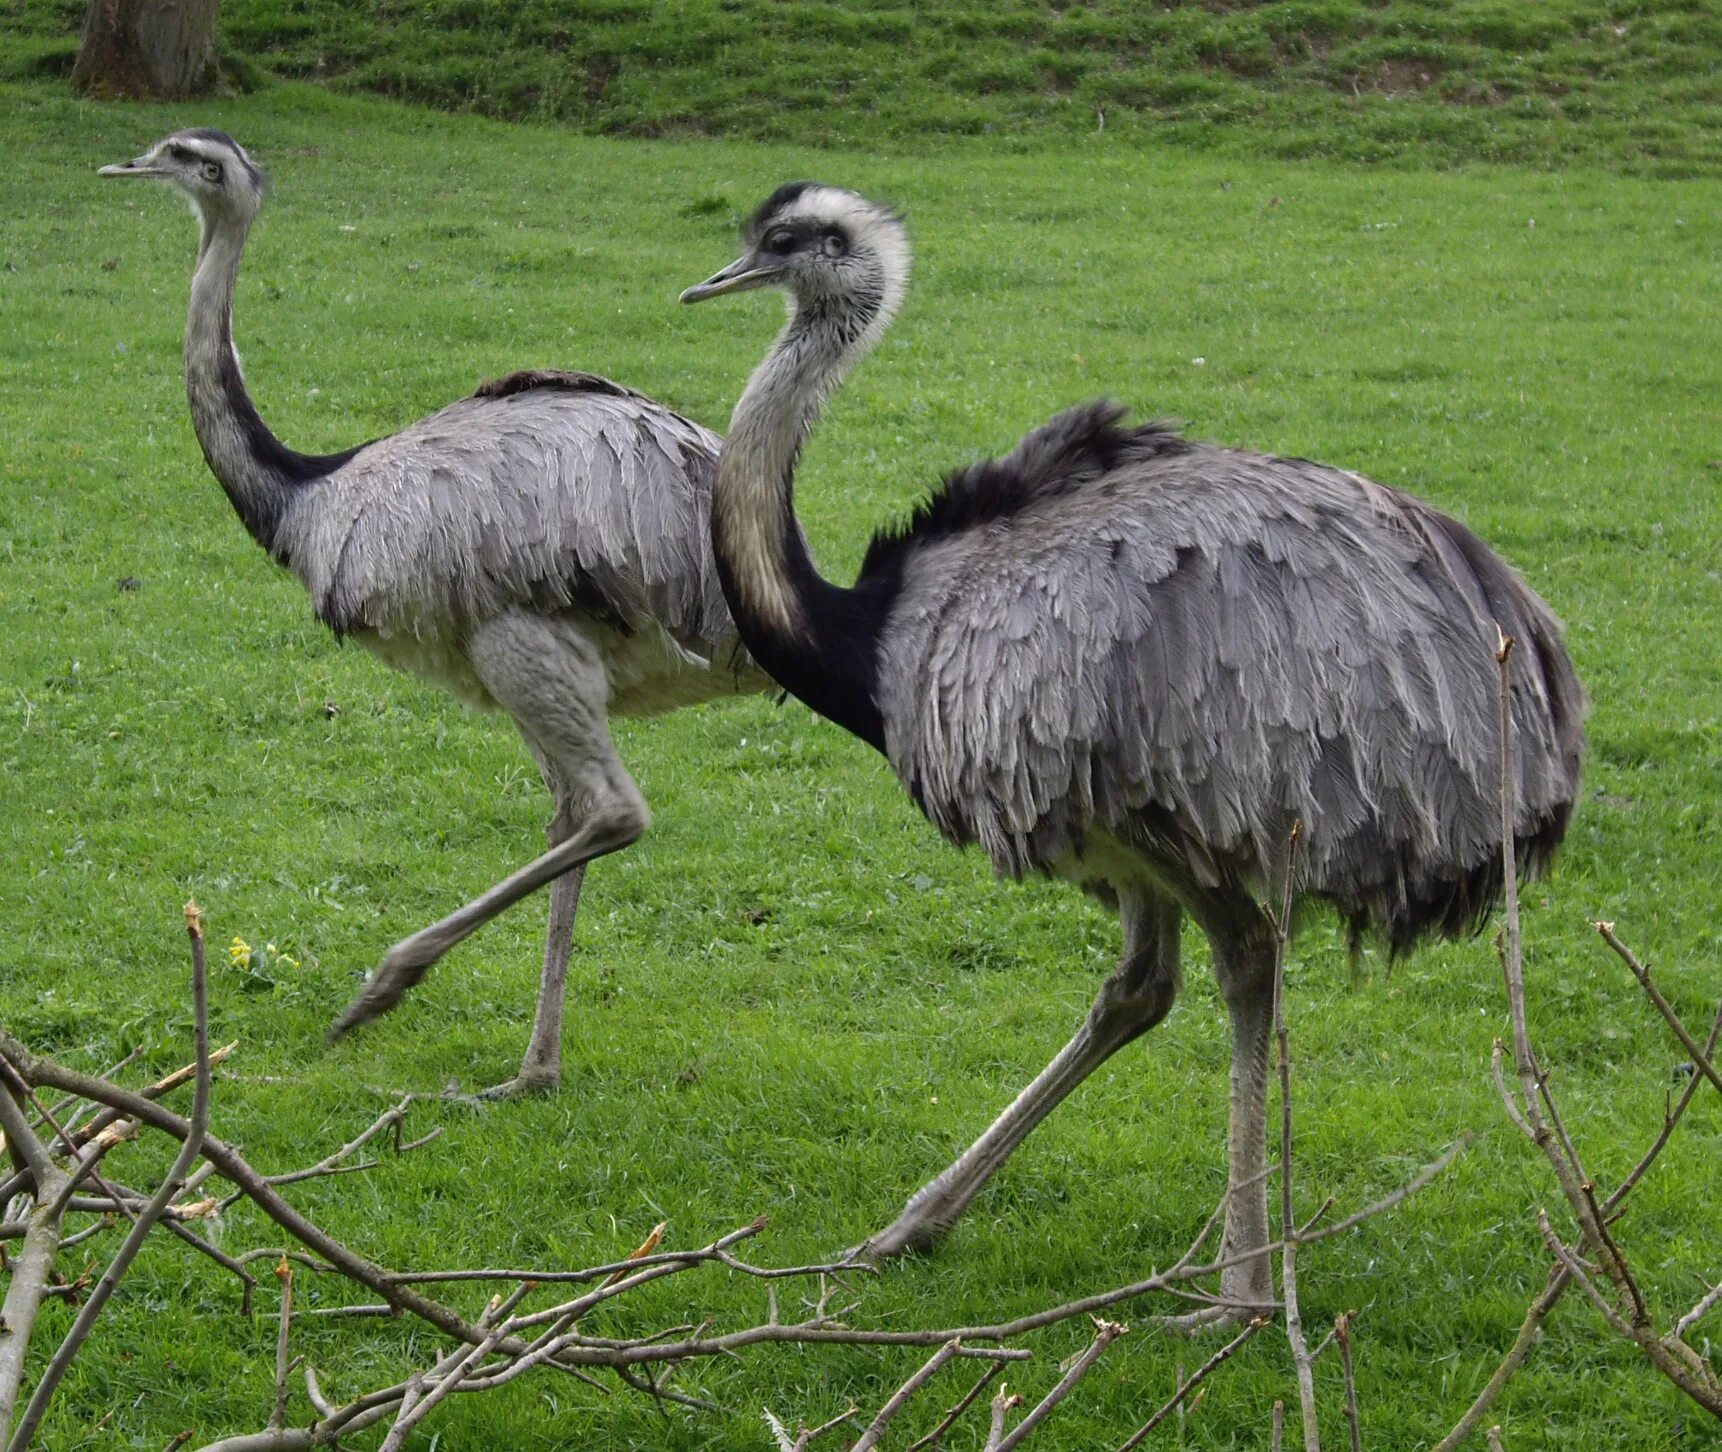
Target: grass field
791,998
1634,83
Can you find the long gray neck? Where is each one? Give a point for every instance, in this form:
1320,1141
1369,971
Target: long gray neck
818,640
258,472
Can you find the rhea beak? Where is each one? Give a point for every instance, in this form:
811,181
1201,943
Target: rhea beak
742,275
139,166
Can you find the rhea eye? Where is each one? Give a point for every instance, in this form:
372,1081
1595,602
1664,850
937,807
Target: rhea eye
780,241
212,172
834,243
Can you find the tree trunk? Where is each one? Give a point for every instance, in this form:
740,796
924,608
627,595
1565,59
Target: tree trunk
155,50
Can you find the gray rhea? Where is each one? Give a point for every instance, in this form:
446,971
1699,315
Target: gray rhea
538,548
1135,661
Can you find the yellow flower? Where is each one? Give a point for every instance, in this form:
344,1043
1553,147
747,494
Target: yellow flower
238,953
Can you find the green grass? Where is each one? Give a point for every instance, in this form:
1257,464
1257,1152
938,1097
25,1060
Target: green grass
1633,83
791,997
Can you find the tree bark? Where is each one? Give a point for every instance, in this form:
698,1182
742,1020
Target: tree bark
156,50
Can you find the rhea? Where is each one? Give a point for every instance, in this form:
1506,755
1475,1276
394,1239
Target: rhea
1136,661
538,548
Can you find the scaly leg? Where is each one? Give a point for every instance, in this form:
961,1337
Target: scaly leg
541,1069
1244,965
551,680
1135,998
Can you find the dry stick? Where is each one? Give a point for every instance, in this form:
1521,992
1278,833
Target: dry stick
453,1371
220,1257
1705,1305
232,1165
1575,1268
1494,1438
34,1262
663,1393
1342,1333
1673,1358
1516,1353
929,1369
284,1274
1276,1436
634,1263
806,1434
71,1101
106,1116
932,1438
21,1140
1288,1223
1197,1377
1700,1059
1670,1118
182,1165
1001,1406
1105,1333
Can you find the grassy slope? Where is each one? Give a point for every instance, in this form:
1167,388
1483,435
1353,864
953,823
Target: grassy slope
792,998
1637,82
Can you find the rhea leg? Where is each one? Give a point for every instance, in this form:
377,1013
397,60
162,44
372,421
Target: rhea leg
549,677
1135,998
1244,965
541,1069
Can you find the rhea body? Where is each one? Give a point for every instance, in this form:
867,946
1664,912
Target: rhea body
1136,661
538,548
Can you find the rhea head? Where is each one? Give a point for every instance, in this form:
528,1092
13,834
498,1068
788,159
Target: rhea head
209,168
841,258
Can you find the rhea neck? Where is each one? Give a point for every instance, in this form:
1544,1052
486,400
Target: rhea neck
256,469
818,640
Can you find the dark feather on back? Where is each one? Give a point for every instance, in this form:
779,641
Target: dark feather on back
1070,450
523,380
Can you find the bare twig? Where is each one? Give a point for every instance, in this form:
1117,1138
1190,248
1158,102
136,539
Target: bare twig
1516,1353
928,1370
1342,1333
1105,1333
284,1274
1197,1377
990,1375
1706,1304
1700,1059
34,1262
1001,1408
171,1186
1625,1310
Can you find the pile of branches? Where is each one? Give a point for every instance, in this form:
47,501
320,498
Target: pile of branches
533,1322
58,1196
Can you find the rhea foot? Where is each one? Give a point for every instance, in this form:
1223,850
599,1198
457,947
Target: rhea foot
917,1230
527,1083
402,966
1193,1323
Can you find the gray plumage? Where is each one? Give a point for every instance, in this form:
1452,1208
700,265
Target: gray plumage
567,493
1136,661
539,547
1192,647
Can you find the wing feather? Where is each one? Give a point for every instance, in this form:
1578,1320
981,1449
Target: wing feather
543,490
1210,644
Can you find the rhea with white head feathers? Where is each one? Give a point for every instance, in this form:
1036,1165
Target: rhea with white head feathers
540,547
1135,661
